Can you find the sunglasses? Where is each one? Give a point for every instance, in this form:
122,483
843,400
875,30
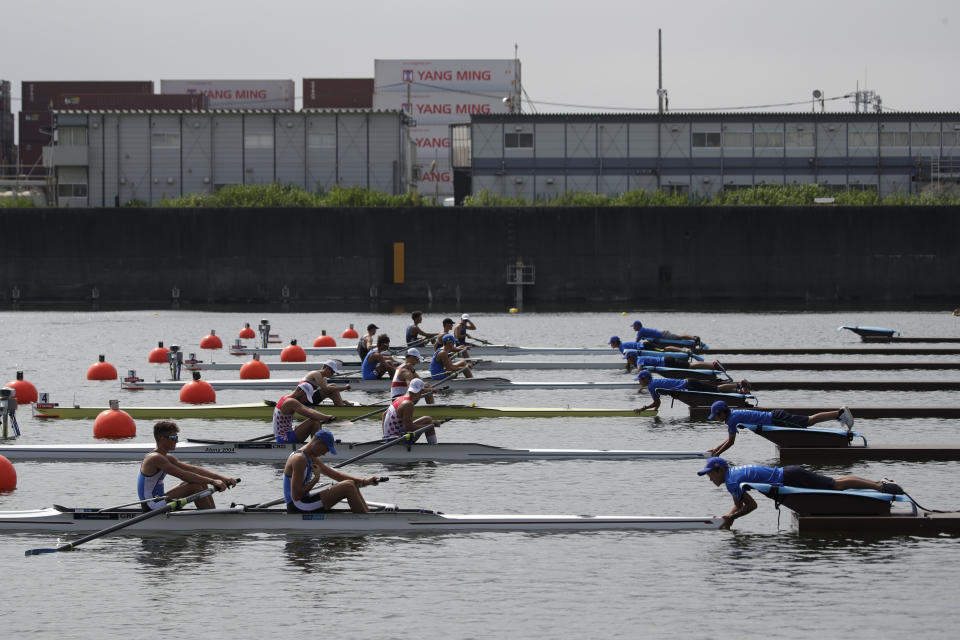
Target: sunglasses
175,438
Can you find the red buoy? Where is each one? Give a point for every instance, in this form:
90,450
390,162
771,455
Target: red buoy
323,340
349,333
8,475
114,423
26,392
293,353
159,355
211,341
197,391
246,332
254,370
101,370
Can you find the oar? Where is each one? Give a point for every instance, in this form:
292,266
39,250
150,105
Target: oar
163,497
173,505
409,436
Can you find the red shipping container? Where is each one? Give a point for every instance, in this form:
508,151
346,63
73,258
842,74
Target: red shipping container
35,126
38,96
338,93
79,101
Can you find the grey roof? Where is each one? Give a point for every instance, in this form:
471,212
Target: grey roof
726,116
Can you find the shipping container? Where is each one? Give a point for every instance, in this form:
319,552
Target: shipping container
337,93
39,96
236,94
35,126
444,107
128,101
500,76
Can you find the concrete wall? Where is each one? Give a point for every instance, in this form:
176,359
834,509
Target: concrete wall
611,254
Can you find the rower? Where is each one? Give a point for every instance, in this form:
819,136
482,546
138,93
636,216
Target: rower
160,463
416,335
325,389
302,471
447,328
460,331
634,359
623,347
777,417
379,361
646,333
647,383
367,341
443,363
721,472
293,404
398,418
406,373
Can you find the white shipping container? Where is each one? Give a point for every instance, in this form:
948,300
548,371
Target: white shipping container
433,141
454,75
445,107
436,178
237,94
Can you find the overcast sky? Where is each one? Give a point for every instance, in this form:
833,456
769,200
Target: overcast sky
598,53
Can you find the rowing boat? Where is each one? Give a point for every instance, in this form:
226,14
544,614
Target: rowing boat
485,350
388,518
479,365
383,384
240,451
264,411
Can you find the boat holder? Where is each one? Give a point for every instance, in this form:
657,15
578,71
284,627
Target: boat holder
8,408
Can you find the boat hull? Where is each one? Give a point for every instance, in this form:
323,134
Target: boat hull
460,384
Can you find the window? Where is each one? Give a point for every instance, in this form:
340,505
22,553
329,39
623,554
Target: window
863,187
768,139
894,139
165,141
72,190
863,138
703,139
322,140
518,140
925,138
949,138
72,136
258,141
738,139
676,189
800,138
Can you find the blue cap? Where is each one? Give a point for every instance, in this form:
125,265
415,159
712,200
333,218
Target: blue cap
713,463
717,407
637,324
643,375
614,339
326,438
448,337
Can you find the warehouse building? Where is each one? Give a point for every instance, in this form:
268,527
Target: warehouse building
114,157
539,157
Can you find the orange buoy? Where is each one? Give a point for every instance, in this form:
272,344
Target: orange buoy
246,332
293,353
211,341
114,423
349,333
101,370
8,475
197,391
323,340
159,355
254,370
26,392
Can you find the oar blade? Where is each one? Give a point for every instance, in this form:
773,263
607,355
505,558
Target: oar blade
36,552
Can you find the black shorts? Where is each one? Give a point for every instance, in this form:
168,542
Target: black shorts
676,363
794,476
309,499
700,385
783,419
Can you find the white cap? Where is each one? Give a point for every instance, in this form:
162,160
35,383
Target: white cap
414,353
333,366
308,389
465,316
416,385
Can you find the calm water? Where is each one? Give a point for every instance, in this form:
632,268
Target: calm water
760,578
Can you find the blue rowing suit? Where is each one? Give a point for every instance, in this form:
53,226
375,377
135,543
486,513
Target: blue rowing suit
437,370
369,369
752,473
151,487
308,502
649,334
412,334
631,346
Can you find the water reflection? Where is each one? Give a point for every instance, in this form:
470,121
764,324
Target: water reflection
311,554
164,555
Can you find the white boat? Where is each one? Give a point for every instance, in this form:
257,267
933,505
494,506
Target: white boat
484,351
479,365
387,518
239,451
383,384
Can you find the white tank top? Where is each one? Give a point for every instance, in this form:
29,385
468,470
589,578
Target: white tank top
392,424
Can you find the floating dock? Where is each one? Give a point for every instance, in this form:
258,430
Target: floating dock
923,523
907,452
884,339
885,384
701,413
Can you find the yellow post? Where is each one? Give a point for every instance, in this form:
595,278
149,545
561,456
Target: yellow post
398,263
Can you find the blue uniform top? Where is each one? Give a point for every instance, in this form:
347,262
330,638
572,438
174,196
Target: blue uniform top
630,346
746,416
651,334
412,334
437,370
752,473
655,385
288,481
650,361
369,369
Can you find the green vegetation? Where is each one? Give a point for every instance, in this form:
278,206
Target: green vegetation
16,202
279,196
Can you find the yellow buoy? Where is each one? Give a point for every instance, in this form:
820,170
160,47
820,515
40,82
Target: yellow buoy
514,310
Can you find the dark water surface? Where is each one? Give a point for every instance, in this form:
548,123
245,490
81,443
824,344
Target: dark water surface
760,579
